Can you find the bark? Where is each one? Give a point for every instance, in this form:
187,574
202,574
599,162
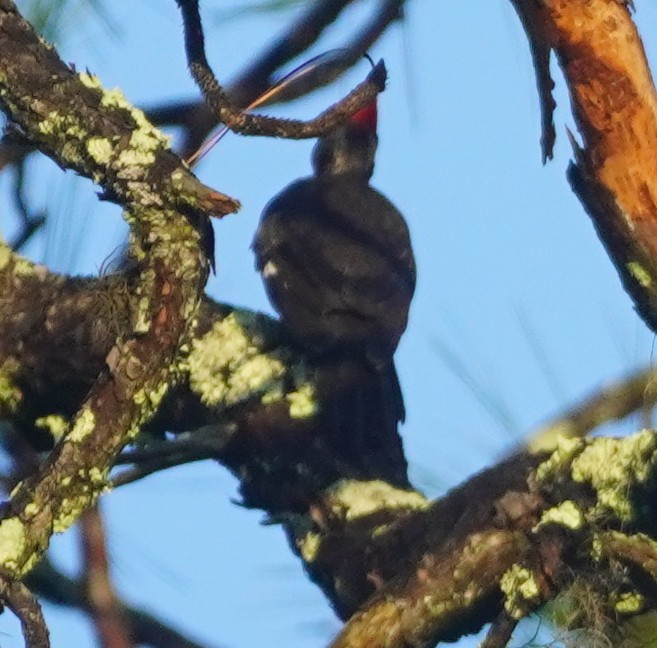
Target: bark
96,133
614,104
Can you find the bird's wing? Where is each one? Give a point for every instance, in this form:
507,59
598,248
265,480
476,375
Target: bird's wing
338,269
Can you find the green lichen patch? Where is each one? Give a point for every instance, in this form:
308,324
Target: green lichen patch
71,508
54,424
254,374
147,138
136,158
90,80
146,135
567,514
21,267
303,402
437,606
352,499
64,126
521,591
100,149
151,397
226,366
12,544
10,395
97,477
309,546
639,273
84,425
630,603
142,316
6,255
92,484
613,466
560,460
547,438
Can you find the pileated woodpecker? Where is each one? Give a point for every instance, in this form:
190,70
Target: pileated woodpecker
336,259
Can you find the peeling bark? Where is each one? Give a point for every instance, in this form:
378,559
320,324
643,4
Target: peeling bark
615,108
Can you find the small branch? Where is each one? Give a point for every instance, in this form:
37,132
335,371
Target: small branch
30,227
258,77
248,124
198,119
31,222
18,598
500,632
529,12
204,443
102,602
145,629
637,391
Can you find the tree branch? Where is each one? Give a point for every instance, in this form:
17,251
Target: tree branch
249,124
401,570
103,604
23,604
611,403
198,119
529,12
365,541
145,629
99,135
615,108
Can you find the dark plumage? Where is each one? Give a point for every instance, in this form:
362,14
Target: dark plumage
336,259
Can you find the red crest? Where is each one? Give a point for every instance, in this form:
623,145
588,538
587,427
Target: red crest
366,117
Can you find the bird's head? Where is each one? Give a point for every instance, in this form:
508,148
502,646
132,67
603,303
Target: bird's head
350,148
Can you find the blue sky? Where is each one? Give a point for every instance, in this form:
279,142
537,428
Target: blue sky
513,283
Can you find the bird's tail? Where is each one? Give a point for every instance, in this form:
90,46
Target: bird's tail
363,407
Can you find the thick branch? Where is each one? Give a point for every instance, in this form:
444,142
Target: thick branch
99,135
366,542
615,107
257,398
90,130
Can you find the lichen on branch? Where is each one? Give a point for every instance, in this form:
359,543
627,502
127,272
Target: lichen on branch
97,133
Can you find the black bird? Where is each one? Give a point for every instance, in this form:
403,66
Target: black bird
337,263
